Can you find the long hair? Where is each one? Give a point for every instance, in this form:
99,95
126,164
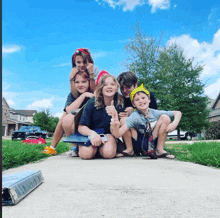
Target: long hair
99,99
86,55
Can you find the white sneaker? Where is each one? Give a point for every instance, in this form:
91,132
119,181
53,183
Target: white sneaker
73,152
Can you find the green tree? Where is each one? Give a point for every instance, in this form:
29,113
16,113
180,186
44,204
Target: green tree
143,54
172,77
45,120
178,87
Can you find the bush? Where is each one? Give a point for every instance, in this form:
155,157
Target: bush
50,134
213,131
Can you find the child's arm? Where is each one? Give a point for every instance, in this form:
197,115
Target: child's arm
90,69
95,138
76,104
114,125
172,126
115,130
72,83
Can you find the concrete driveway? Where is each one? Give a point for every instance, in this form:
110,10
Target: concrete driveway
121,187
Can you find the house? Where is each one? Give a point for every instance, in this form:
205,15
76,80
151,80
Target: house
215,110
14,119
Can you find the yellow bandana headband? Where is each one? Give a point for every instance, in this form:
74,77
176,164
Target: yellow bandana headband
139,89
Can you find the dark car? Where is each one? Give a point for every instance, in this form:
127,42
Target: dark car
26,131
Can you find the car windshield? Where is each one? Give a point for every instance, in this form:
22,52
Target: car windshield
24,128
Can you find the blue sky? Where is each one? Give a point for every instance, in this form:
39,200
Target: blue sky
39,38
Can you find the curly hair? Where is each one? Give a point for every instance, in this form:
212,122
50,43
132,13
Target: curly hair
99,100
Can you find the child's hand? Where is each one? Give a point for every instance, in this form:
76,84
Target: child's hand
111,111
172,126
96,140
90,69
115,123
73,73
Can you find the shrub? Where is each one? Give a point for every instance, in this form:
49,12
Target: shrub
213,131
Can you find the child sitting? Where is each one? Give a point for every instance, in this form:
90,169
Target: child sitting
158,122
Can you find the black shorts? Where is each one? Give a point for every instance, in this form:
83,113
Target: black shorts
137,144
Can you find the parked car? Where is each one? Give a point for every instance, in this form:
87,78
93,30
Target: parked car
184,135
26,131
34,140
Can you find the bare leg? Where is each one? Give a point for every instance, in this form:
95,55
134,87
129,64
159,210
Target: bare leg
68,124
159,131
108,150
87,153
58,134
65,125
127,137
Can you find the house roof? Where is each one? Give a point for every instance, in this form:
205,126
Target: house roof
24,112
211,102
214,113
216,101
3,99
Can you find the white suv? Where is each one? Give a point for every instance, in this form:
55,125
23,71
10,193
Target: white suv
183,135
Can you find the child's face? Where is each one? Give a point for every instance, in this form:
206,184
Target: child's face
141,101
110,87
126,90
79,61
81,84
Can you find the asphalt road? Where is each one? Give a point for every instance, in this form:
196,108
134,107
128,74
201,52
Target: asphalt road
121,187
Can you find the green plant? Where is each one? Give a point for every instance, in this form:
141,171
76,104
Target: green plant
16,153
213,131
204,153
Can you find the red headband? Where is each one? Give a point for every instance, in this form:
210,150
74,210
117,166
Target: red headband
83,50
101,74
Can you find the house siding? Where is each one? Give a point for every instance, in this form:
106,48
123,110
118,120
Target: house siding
14,119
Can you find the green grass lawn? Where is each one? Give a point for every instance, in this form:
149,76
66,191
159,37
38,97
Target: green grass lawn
204,153
16,153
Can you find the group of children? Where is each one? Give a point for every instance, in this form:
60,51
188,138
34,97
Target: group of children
132,115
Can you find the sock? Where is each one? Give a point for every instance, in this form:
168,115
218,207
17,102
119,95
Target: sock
53,147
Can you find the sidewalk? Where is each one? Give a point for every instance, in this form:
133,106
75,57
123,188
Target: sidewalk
122,187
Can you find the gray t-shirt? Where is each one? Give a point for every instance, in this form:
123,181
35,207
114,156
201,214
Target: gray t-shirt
138,121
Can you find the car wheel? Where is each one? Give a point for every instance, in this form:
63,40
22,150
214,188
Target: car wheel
12,138
188,136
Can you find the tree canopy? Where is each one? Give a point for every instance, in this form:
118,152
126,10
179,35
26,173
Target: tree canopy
45,120
172,77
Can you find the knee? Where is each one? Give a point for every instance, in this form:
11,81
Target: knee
165,119
109,154
67,120
86,154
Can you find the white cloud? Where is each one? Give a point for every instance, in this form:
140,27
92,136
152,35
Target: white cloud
206,54
131,4
45,103
125,4
10,49
11,103
159,4
213,89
